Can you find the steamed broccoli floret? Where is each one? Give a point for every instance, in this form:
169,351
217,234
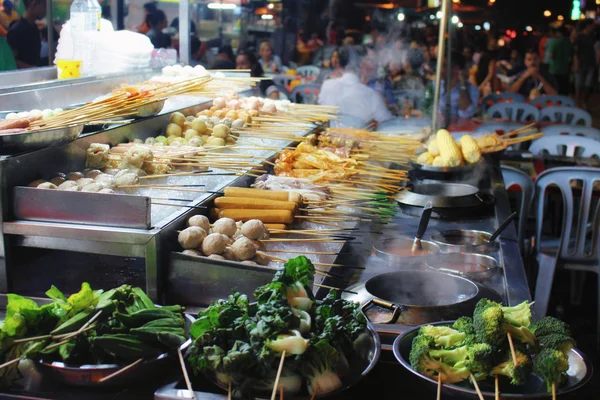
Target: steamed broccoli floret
488,322
444,336
421,361
450,356
549,325
519,315
551,365
518,375
522,334
465,325
556,341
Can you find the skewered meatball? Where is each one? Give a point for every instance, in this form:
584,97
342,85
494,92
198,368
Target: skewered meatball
192,252
69,186
220,131
136,156
219,102
111,171
106,181
106,191
250,262
225,226
83,182
254,229
92,173
262,259
215,141
177,118
173,130
36,183
227,239
201,221
244,249
237,123
199,125
126,180
213,244
216,257
191,237
228,254
97,155
47,185
57,180
136,171
74,176
260,246
93,187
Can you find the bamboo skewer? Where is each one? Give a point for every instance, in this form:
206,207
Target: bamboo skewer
477,387
512,349
314,393
334,288
229,391
496,388
553,390
120,371
276,384
186,377
439,386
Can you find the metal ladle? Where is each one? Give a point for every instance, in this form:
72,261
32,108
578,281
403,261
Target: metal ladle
500,229
425,217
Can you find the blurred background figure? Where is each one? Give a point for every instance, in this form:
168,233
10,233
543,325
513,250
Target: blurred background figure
268,61
247,60
24,36
533,82
585,62
464,96
334,65
157,21
225,58
8,15
149,8
560,53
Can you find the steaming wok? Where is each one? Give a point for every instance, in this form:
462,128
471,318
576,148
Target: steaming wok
417,297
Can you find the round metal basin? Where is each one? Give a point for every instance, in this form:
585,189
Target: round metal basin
464,241
475,266
399,250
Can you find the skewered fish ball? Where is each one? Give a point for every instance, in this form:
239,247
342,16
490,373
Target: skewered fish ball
160,139
199,125
214,120
201,221
138,141
213,244
195,142
187,125
231,115
255,229
157,168
192,252
228,239
262,259
189,118
244,249
220,131
228,254
260,246
204,138
106,191
74,176
106,181
136,171
215,141
219,102
173,130
127,180
93,187
36,183
230,141
216,257
92,173
47,185
225,226
136,156
177,118
150,141
97,156
69,186
191,237
191,133
57,180
83,182
237,123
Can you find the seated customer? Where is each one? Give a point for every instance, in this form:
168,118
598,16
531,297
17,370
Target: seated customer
247,60
464,96
225,58
532,82
157,22
350,94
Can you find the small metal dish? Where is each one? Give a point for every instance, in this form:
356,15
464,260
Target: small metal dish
579,373
463,241
38,139
400,250
466,264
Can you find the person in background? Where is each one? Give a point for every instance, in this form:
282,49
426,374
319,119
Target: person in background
464,96
175,25
149,8
584,63
7,16
486,69
225,58
544,45
532,82
157,22
334,65
560,53
247,60
512,66
268,61
24,36
350,94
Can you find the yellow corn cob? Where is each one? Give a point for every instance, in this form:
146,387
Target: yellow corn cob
432,147
470,150
448,149
425,158
439,162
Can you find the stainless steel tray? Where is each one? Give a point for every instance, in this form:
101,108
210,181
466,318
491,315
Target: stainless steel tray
51,205
38,139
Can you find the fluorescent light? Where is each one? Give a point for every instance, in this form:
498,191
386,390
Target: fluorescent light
438,15
223,6
460,25
477,27
486,26
454,19
401,17
528,28
271,6
266,16
432,16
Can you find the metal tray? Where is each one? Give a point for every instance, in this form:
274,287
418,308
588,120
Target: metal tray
38,139
579,373
464,241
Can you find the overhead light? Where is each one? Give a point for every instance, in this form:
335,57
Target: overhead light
477,27
460,25
438,15
221,6
271,6
547,13
432,16
486,26
528,28
501,42
266,16
561,18
401,17
454,19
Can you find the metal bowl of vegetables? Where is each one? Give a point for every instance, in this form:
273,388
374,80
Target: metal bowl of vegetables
579,373
322,346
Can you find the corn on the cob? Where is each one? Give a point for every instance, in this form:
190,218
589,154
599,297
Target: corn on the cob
425,158
432,147
449,151
439,162
470,150
488,141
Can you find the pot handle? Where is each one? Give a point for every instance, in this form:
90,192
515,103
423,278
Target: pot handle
395,309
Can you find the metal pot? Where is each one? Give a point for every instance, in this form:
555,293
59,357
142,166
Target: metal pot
399,250
474,266
414,297
464,241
